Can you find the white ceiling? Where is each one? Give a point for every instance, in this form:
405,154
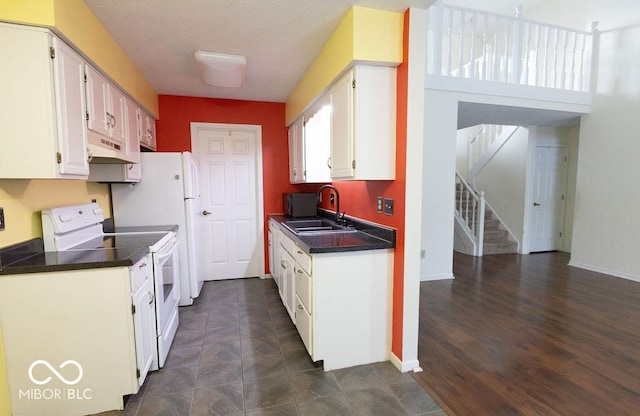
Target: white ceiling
280,38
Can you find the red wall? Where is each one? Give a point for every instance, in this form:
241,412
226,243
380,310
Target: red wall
174,135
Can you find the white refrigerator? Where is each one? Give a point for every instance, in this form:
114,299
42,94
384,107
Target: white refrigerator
168,193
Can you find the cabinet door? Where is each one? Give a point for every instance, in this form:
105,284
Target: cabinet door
317,141
304,324
342,140
99,117
143,325
296,152
133,131
118,106
68,71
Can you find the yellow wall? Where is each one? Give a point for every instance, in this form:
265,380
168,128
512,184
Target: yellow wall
23,200
75,21
364,35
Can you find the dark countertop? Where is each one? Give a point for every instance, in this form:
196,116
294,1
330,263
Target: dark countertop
369,236
120,251
30,257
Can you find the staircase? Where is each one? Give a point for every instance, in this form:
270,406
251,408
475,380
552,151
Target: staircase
478,231
496,239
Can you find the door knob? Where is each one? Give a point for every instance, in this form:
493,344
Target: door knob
535,204
205,212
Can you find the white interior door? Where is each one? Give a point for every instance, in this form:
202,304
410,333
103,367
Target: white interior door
548,199
231,202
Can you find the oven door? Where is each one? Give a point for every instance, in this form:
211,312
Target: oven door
167,286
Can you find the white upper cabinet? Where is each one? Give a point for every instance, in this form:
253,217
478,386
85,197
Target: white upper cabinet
148,126
317,132
42,106
106,110
363,124
309,142
296,151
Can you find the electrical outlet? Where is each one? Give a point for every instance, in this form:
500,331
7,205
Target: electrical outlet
388,206
332,198
1,218
379,204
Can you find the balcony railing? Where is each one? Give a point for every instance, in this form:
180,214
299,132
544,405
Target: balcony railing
473,44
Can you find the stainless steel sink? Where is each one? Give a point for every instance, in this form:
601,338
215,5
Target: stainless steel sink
315,226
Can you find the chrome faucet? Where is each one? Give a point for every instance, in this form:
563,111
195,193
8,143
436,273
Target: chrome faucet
339,217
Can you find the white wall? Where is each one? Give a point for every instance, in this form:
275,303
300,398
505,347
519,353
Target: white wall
503,181
438,184
606,237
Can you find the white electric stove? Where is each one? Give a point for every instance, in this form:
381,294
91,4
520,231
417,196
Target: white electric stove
79,227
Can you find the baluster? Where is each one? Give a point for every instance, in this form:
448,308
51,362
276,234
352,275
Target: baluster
564,60
472,61
494,63
461,51
545,81
517,45
437,53
506,69
537,68
573,62
483,67
556,40
450,46
524,79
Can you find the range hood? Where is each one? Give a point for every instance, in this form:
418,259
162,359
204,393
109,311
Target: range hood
104,150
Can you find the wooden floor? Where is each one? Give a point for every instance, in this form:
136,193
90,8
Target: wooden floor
529,335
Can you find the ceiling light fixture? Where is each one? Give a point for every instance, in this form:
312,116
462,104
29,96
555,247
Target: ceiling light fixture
221,69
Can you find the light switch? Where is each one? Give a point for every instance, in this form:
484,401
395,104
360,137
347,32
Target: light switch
379,204
388,206
1,218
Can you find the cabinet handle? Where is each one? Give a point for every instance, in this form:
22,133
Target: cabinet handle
130,166
283,264
109,116
300,307
299,252
329,163
143,265
150,297
299,271
114,120
89,155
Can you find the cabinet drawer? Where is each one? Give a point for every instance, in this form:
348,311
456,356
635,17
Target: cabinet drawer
304,324
303,259
303,288
139,272
286,242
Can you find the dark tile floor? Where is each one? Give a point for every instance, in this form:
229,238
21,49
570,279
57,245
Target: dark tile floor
237,353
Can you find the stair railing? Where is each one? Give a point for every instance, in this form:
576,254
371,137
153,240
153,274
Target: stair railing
470,212
473,44
483,145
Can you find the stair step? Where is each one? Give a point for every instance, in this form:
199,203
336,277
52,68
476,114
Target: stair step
502,247
491,224
495,235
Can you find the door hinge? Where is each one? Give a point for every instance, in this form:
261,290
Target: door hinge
560,234
565,158
87,116
133,309
563,197
59,157
85,78
353,83
137,373
353,164
52,52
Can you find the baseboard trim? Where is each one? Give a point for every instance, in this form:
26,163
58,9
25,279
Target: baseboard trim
405,366
436,276
604,270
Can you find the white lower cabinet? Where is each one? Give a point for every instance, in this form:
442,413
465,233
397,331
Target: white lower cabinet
142,299
98,318
342,302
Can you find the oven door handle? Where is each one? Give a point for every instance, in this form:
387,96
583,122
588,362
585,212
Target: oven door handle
163,254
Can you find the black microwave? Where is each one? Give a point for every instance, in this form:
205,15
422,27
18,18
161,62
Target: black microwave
300,204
